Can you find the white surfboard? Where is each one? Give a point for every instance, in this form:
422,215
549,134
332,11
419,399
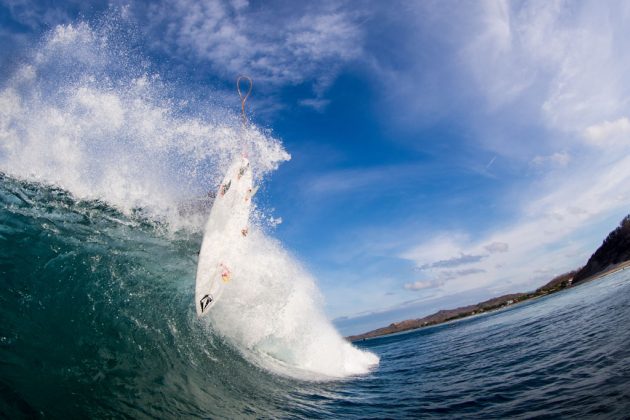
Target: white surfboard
224,235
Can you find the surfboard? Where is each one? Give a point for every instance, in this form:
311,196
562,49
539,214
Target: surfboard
224,235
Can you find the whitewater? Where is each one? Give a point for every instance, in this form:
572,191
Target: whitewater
112,167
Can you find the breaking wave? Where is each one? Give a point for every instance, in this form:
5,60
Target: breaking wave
110,168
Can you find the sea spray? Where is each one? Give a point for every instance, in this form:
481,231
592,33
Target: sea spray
81,114
275,316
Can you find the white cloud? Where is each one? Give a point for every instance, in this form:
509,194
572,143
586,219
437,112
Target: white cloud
558,225
510,70
564,69
315,103
279,44
609,133
566,58
495,247
556,159
37,15
419,285
461,259
356,180
492,55
447,275
439,248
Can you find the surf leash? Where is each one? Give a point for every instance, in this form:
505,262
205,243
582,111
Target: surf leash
244,97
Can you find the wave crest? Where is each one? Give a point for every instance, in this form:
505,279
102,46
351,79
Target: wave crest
83,115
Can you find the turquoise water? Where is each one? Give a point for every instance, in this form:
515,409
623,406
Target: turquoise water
97,320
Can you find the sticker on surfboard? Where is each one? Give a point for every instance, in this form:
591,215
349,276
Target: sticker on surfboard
205,302
225,187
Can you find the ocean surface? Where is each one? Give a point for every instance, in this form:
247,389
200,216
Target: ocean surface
97,320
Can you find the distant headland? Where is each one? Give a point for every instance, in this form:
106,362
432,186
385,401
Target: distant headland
613,255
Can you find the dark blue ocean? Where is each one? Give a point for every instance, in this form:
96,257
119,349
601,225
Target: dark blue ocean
97,321
561,356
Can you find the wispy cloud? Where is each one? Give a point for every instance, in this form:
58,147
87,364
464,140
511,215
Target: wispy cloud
609,133
564,60
450,275
439,248
421,285
358,179
554,231
462,259
38,15
280,43
316,104
497,247
555,159
442,277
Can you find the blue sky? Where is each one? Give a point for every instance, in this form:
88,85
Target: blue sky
442,152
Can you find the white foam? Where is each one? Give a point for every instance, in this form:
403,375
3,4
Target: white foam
271,310
79,116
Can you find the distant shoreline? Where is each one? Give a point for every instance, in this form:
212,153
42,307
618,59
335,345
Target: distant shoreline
557,284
